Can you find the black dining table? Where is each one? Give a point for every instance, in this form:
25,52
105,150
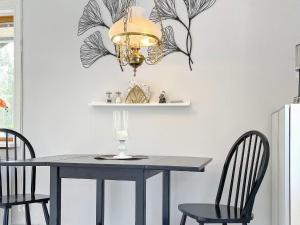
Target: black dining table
87,167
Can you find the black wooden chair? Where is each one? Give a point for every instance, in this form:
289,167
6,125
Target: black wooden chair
245,168
15,188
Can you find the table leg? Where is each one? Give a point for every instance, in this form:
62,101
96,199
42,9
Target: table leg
166,198
55,196
100,199
140,198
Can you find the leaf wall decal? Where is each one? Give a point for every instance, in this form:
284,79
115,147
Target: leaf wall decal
165,10
117,8
90,18
92,49
195,7
168,42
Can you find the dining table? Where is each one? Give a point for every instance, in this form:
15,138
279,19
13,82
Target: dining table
85,166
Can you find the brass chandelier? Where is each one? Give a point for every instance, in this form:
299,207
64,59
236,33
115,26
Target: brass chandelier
134,36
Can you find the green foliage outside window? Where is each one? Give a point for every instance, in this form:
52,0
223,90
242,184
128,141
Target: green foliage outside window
7,83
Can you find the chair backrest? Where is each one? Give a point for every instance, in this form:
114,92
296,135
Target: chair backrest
14,146
243,172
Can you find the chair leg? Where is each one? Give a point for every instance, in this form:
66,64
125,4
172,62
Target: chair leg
46,213
6,216
183,219
27,214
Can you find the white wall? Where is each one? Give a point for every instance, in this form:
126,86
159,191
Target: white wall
244,60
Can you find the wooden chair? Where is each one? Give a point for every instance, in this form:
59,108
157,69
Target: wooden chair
242,175
15,188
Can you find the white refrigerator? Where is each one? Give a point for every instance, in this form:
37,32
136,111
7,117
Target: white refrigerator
285,152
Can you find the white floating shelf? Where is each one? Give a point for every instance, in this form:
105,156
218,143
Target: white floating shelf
151,104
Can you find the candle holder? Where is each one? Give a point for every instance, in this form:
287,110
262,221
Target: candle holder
118,99
121,133
108,97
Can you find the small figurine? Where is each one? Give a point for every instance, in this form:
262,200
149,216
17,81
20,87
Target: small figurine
162,97
118,98
108,98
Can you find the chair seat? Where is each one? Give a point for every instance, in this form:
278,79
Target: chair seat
22,199
211,213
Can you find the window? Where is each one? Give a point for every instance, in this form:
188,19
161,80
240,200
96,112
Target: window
7,78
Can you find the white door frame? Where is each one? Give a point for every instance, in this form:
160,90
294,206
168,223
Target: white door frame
15,7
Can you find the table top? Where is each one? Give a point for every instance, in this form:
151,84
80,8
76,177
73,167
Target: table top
177,163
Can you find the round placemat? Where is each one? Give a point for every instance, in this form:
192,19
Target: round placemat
111,157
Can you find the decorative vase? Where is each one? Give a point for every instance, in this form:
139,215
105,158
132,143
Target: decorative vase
138,93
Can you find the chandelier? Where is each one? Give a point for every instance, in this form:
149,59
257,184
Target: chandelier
134,36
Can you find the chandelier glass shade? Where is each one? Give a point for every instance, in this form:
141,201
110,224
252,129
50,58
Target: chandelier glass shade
142,32
133,35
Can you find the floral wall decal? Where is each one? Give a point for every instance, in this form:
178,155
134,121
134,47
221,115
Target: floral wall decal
167,11
93,47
